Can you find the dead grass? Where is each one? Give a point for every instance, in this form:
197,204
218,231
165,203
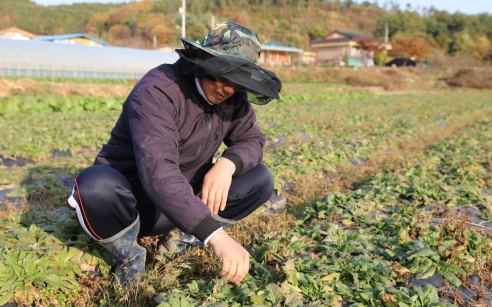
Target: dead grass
388,79
30,87
453,225
391,79
9,208
259,222
478,78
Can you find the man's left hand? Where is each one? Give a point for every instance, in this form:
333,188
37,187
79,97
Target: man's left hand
216,184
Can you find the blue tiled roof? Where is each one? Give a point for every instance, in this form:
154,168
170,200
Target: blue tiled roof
275,47
69,36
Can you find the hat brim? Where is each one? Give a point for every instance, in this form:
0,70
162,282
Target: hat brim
258,81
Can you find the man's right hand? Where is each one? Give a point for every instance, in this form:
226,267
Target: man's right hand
234,257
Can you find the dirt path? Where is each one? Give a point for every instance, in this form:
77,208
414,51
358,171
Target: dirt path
381,81
30,87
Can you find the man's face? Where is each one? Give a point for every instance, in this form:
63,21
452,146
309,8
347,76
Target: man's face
217,91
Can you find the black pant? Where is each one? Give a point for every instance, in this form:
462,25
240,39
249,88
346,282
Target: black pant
112,201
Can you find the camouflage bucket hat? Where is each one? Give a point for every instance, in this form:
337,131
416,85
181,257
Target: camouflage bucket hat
232,52
229,38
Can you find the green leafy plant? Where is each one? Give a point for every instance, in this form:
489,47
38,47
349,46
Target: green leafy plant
34,261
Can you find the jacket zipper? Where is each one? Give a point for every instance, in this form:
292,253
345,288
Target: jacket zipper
207,137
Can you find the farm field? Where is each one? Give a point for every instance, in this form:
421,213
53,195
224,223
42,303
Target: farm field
381,199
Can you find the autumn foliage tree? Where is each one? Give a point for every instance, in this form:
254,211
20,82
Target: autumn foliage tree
410,46
373,48
133,22
370,45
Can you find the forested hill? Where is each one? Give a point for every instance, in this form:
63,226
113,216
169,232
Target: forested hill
157,23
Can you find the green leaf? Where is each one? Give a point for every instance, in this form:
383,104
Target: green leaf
453,279
176,300
257,299
389,252
431,294
5,297
274,294
426,252
426,274
453,268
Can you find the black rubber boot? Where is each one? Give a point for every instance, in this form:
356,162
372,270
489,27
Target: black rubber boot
128,255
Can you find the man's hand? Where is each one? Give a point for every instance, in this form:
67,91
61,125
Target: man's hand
235,259
216,184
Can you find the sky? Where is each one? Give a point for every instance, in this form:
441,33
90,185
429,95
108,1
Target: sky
470,7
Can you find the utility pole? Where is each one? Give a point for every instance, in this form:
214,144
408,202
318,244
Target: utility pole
386,33
182,10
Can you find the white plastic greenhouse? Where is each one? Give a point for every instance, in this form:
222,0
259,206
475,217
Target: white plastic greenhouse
46,59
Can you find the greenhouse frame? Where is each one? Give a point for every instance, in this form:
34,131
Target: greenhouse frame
19,58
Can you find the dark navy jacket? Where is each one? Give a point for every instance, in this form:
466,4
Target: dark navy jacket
167,131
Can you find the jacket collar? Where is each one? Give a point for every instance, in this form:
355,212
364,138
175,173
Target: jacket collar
199,88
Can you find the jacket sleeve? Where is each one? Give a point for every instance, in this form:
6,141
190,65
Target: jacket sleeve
245,141
151,117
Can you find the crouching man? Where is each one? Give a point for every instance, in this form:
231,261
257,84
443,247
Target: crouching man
156,173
